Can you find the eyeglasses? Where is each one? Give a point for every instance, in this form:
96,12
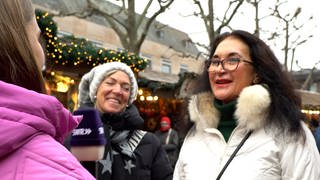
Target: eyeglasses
228,64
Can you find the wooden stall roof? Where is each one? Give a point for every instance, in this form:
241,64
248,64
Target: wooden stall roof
310,98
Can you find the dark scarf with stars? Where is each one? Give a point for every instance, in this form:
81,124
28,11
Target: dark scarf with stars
123,137
227,121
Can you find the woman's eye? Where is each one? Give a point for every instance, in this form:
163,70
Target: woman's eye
215,62
109,83
233,60
126,88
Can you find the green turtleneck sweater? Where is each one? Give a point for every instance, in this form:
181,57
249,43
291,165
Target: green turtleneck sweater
227,121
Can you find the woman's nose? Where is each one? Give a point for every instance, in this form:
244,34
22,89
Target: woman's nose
117,89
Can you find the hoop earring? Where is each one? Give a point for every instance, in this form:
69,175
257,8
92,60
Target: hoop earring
256,80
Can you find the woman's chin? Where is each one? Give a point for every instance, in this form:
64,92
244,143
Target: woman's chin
113,110
223,97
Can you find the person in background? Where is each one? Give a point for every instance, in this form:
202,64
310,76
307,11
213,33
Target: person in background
169,139
247,118
130,152
32,124
317,137
313,123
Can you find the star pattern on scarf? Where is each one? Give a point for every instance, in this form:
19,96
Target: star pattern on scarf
107,164
129,166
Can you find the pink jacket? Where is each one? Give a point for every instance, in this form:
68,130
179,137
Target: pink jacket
32,129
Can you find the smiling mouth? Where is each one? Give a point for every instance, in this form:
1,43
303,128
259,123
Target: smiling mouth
116,101
223,81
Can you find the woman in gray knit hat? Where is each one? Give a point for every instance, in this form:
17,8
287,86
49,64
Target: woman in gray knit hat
131,153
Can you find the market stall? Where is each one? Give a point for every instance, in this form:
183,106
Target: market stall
311,107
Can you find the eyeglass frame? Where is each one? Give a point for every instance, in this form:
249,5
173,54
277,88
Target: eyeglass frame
239,59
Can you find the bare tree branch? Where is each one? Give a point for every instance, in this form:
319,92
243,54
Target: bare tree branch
163,6
124,20
210,19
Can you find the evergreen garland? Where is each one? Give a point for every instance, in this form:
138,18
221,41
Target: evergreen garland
69,50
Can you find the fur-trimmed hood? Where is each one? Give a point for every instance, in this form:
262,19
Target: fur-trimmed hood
251,111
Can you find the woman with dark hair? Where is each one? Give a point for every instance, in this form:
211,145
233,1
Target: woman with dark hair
33,125
246,114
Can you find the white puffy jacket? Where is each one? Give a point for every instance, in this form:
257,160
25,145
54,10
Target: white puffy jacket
263,156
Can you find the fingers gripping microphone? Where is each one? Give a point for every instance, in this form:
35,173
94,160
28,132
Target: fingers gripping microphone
88,139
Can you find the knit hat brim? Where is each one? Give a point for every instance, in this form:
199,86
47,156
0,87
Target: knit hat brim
90,82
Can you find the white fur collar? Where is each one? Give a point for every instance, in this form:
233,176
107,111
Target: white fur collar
251,111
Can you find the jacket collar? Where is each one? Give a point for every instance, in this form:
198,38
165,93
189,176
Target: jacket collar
251,109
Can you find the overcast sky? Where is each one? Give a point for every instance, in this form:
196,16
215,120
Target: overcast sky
180,17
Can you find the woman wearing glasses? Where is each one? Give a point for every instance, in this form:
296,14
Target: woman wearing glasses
247,118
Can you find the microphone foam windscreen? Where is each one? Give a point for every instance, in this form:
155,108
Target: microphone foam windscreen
90,131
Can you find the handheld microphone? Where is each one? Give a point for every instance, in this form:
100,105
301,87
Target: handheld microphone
88,139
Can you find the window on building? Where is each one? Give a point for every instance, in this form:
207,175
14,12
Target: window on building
183,68
97,43
166,66
186,43
149,64
314,87
121,50
148,58
160,34
62,34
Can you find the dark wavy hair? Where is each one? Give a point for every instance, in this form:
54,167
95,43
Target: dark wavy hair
17,61
285,109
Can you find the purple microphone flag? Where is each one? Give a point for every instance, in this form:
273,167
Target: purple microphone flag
90,131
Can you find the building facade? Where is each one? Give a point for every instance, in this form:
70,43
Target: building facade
167,50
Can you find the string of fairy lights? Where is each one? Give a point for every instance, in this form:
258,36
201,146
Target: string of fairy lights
70,50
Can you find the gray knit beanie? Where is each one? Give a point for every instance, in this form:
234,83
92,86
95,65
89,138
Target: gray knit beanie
90,82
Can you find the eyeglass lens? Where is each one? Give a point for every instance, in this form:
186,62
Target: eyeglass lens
229,64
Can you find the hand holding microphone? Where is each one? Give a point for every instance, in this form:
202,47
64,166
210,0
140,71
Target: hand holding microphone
88,139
